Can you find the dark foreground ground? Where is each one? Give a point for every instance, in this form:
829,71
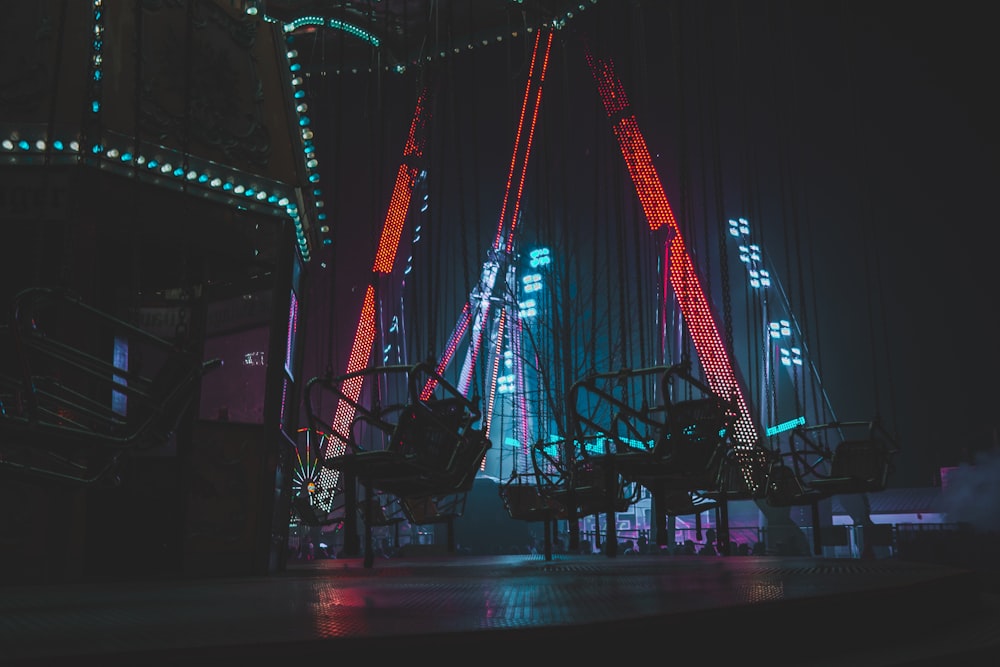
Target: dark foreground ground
778,610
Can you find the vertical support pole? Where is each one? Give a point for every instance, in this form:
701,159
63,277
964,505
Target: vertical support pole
722,525
352,542
369,551
611,487
817,538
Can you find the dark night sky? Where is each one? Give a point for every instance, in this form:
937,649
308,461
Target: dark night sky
865,131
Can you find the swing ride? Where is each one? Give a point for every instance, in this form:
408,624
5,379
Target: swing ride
601,370
568,439
591,363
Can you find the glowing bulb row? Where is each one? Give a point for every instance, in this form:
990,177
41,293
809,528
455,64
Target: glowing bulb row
306,134
312,20
19,146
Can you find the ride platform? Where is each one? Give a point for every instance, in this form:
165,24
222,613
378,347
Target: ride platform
516,608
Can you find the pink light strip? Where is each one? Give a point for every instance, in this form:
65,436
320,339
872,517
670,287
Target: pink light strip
472,356
464,319
494,372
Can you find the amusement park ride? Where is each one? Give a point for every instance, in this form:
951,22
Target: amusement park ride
682,432
83,386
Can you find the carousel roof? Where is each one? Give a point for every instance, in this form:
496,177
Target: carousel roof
396,34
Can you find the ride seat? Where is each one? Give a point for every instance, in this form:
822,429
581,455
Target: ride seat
526,502
431,451
785,489
691,447
857,466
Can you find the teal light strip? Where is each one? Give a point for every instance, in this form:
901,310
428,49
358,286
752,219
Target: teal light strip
336,24
787,426
355,31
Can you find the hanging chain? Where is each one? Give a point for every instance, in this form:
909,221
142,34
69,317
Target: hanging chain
727,301
181,330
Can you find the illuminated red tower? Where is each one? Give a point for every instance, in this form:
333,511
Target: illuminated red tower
491,316
680,274
407,177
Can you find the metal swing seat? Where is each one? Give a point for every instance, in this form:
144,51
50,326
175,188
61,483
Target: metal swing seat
80,388
525,499
578,481
824,460
785,488
691,468
679,450
860,462
692,452
686,465
425,452
612,439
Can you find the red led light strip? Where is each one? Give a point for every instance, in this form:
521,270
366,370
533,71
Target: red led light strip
406,177
385,258
682,275
536,85
479,304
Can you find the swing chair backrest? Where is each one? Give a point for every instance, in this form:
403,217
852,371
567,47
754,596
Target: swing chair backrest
864,462
472,448
380,513
430,447
785,489
858,463
429,433
570,477
436,437
590,485
694,434
527,502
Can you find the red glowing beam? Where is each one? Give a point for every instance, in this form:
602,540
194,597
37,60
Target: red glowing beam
399,204
385,258
529,107
449,351
683,278
509,212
